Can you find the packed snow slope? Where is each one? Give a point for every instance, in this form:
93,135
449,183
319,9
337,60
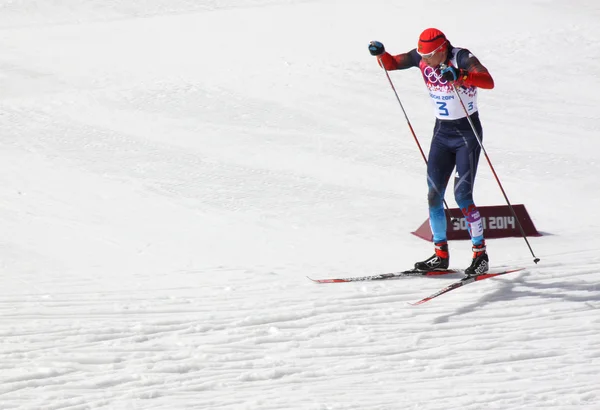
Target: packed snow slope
172,170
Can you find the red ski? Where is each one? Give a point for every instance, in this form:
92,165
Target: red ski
386,276
464,282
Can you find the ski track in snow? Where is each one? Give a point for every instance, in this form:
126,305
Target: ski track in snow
173,170
158,347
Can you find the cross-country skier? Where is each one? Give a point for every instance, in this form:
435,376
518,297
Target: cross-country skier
454,143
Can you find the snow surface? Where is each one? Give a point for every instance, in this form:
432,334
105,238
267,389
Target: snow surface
172,170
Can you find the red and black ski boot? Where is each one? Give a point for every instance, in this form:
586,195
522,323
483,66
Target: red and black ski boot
480,263
440,260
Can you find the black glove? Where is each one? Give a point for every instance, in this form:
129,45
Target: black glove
376,48
450,73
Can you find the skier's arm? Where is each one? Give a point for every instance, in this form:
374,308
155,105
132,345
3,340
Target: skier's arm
400,61
477,74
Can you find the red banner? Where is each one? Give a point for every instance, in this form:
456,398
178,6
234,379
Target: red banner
498,222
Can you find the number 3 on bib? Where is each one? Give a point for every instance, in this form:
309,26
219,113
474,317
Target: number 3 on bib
442,108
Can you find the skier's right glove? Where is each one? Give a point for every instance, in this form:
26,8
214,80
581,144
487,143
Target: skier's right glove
376,48
450,73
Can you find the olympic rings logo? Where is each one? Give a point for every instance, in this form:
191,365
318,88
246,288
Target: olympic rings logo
433,76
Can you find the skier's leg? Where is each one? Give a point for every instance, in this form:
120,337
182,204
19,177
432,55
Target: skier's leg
439,169
467,158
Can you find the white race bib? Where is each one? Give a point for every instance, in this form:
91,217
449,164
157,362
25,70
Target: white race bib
446,105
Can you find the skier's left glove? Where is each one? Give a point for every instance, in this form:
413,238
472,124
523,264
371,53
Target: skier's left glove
450,73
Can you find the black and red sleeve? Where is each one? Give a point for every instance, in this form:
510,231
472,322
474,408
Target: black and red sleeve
478,75
400,61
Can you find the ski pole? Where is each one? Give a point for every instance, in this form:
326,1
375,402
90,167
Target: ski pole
412,131
536,259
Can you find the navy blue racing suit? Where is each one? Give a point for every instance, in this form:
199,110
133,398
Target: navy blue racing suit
454,143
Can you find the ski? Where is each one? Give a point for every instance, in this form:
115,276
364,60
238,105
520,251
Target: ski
463,282
387,276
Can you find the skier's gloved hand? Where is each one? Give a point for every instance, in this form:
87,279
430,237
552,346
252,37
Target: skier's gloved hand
376,48
450,73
